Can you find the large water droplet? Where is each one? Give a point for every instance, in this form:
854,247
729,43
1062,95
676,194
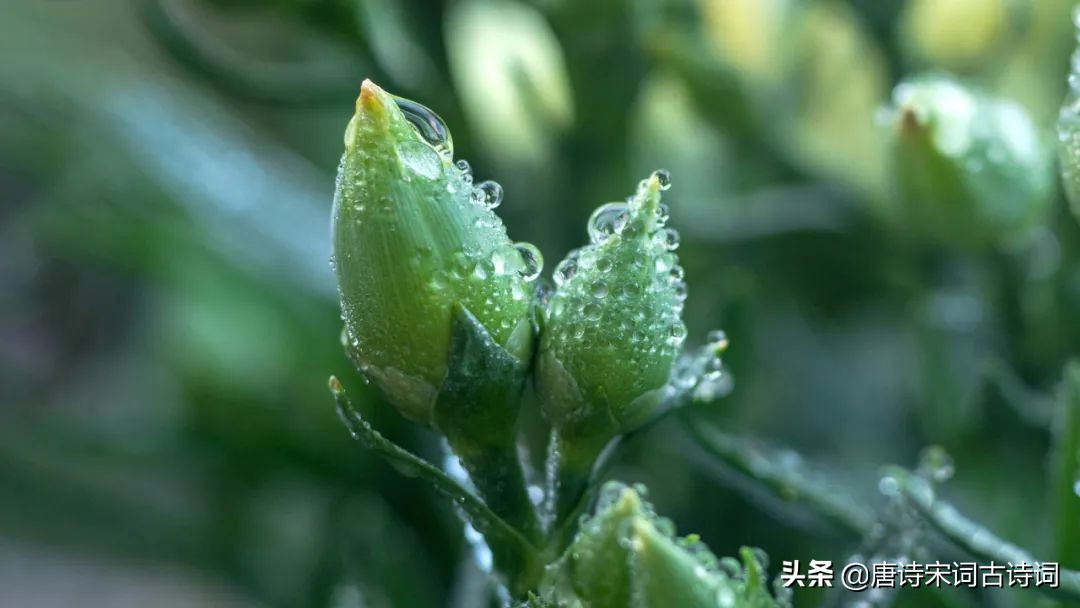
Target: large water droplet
420,159
532,262
428,125
488,194
664,177
608,219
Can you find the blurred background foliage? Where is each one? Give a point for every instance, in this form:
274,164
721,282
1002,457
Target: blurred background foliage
168,318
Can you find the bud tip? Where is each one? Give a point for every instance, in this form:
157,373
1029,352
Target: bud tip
370,94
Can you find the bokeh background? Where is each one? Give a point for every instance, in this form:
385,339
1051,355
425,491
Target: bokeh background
168,318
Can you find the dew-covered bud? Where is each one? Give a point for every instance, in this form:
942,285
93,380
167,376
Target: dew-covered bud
967,169
413,238
626,555
614,323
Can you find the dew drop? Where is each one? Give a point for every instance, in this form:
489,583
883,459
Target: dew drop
420,159
663,176
679,289
663,212
599,289
480,271
668,238
889,486
428,124
717,339
608,219
532,262
465,168
676,333
936,464
566,269
488,194
714,369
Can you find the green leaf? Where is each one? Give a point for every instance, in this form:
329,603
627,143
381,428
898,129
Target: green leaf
1066,470
973,537
512,553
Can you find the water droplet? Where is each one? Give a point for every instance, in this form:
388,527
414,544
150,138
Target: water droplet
428,124
480,271
599,289
566,268
420,159
465,168
532,262
676,333
718,340
663,212
664,177
668,238
936,464
889,486
714,368
1076,486
488,194
680,291
608,219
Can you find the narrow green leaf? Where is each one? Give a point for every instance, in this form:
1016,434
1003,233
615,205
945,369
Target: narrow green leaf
1066,470
975,539
782,473
512,553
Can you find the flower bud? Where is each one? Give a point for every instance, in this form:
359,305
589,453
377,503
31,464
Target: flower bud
613,325
966,169
957,34
627,556
413,238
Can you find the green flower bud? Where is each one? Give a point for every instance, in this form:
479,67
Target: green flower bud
627,557
413,238
613,325
967,169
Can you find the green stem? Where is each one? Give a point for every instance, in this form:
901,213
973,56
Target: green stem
570,473
500,481
514,556
974,538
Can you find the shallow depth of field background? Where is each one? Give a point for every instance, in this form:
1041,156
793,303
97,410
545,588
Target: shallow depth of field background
168,317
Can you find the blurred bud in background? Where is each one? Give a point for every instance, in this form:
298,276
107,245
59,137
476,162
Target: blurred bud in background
957,35
510,72
816,74
412,238
967,169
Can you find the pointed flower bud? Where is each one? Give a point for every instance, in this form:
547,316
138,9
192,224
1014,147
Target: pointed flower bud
613,324
413,238
967,169
627,556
